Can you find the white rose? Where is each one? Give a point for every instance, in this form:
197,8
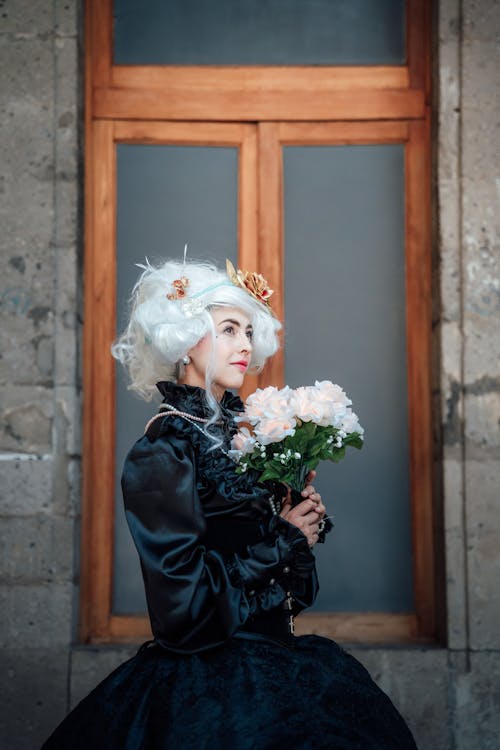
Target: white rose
337,414
268,403
243,442
306,405
328,391
350,423
274,430
333,400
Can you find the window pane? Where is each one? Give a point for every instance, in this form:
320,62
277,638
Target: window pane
345,322
259,32
167,196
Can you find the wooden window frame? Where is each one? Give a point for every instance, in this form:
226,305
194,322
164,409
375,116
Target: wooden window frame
209,106
414,134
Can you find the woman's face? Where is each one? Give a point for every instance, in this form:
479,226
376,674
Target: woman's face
233,349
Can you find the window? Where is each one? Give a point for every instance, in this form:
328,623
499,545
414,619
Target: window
252,134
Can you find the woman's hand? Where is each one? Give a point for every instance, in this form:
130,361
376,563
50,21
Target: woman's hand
307,514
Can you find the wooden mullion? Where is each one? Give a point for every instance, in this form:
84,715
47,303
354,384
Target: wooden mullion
180,133
270,232
128,628
191,79
418,333
366,628
247,219
247,199
418,43
99,40
99,388
339,133
257,105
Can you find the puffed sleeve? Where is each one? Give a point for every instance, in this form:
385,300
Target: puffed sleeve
197,597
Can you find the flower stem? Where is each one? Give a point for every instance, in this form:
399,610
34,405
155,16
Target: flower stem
300,474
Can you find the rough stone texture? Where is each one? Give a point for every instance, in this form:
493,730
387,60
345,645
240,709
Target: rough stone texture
477,701
468,156
36,614
417,682
449,328
37,548
27,286
483,489
34,687
450,696
40,198
26,484
67,18
456,573
481,316
468,179
26,419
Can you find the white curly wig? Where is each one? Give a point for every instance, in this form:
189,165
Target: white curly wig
161,330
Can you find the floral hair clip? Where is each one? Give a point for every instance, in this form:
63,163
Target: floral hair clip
180,286
253,283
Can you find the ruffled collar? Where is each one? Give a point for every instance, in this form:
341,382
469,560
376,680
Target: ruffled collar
220,488
192,399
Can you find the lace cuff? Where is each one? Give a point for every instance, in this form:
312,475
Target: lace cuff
325,527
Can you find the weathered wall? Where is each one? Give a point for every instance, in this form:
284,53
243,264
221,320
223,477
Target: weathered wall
470,307
40,194
468,181
450,696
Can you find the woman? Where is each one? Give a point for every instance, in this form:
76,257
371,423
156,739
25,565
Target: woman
227,562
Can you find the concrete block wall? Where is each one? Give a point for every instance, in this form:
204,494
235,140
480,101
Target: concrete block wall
468,178
40,313
449,694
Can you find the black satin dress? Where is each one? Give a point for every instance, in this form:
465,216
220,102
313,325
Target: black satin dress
221,573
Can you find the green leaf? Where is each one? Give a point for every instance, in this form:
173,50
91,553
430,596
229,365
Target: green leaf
354,439
338,454
269,473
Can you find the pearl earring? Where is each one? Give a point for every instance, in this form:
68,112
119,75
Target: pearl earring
186,359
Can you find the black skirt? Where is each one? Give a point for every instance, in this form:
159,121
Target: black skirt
255,692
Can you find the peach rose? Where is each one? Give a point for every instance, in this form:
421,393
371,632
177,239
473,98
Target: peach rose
268,403
274,430
307,407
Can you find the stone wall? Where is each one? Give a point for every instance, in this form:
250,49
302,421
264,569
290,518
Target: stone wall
468,158
40,313
450,696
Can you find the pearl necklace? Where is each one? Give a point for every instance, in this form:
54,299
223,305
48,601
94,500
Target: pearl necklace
168,409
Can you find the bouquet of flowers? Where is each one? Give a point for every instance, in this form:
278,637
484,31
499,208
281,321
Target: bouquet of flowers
289,431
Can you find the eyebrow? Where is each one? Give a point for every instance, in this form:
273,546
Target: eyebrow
236,323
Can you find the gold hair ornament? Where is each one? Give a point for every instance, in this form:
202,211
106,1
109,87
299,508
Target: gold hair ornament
253,283
179,286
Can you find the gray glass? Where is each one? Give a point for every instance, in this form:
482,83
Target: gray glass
167,196
345,322
259,32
